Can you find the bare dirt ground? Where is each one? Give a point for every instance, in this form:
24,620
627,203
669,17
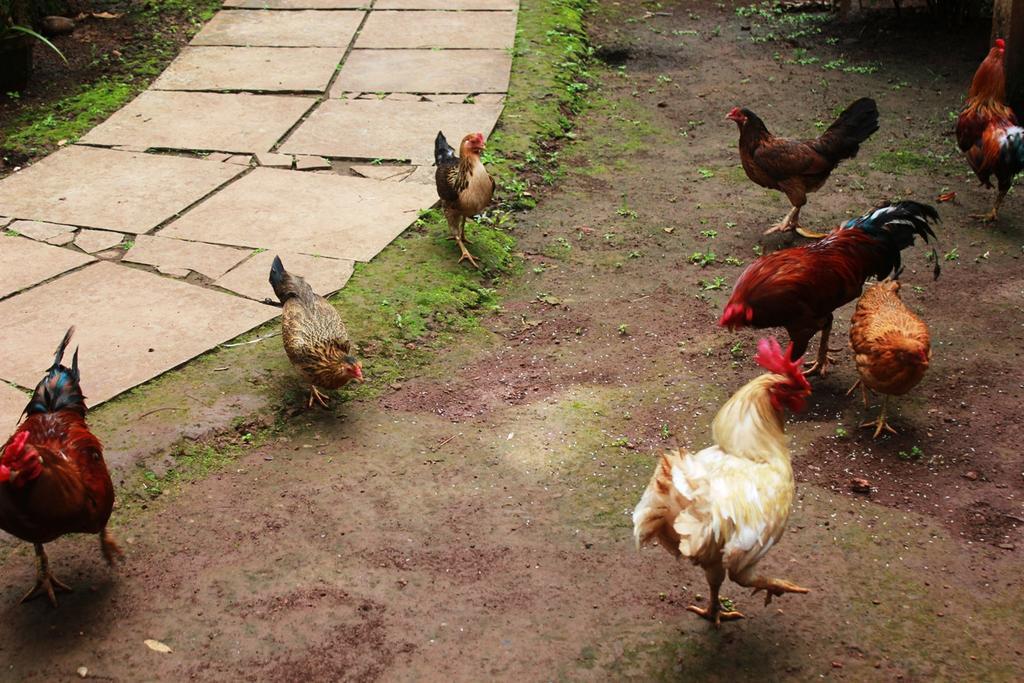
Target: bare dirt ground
473,524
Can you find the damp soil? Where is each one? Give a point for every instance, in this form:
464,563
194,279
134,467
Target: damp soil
473,523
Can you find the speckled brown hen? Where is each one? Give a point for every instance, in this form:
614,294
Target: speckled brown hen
891,346
315,338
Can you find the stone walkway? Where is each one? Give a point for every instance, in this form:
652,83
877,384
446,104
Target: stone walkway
291,127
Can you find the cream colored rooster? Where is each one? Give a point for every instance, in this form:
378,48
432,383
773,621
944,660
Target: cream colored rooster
724,507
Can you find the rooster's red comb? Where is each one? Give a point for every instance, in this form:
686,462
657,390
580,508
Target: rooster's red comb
770,357
15,447
1000,43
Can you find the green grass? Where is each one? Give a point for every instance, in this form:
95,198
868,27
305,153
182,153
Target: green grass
902,162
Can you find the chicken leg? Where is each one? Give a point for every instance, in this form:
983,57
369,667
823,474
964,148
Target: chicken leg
108,546
820,366
316,395
713,612
792,222
991,216
46,582
881,423
460,239
773,588
863,390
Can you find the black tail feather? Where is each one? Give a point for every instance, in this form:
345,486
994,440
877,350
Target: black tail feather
897,226
856,124
443,152
59,389
279,280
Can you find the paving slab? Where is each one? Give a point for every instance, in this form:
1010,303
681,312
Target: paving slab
4,220
39,230
199,120
302,28
394,173
423,175
12,402
385,129
92,241
62,239
298,4
239,159
292,69
125,338
100,188
25,263
425,71
166,254
461,30
308,213
274,160
324,275
312,164
447,4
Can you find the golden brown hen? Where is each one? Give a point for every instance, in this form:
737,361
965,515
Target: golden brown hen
463,185
315,338
891,347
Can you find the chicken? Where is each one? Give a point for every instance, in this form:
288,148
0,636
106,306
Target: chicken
53,480
799,288
890,345
798,167
463,185
987,129
315,338
724,507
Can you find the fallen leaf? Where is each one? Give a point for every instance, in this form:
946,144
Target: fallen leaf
82,671
859,485
157,646
946,197
669,230
105,15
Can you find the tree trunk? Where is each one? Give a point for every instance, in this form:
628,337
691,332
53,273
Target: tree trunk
1008,23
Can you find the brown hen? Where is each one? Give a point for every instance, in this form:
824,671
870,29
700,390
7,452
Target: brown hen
891,347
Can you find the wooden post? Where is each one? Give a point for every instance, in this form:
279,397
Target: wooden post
1008,23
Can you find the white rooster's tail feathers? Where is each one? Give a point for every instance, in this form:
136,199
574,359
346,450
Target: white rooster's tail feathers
670,511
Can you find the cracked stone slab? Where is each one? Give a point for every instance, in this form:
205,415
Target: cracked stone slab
461,30
425,71
386,129
274,160
302,28
100,188
324,275
4,220
62,239
25,263
92,241
292,69
125,339
447,4
39,230
308,213
12,402
202,121
395,173
312,164
297,4
175,255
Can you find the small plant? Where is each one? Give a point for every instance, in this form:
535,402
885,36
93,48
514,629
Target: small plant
718,282
736,350
634,254
621,442
732,261
702,259
914,454
705,173
624,330
951,255
758,250
841,433
665,433
709,234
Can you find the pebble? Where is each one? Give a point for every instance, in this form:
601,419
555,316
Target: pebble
972,475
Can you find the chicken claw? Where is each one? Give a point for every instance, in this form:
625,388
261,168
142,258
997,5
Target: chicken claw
820,367
316,395
466,255
881,423
714,614
110,549
774,588
46,582
989,217
810,234
863,390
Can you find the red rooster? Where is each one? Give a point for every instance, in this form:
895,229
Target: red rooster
799,167
53,480
799,288
987,129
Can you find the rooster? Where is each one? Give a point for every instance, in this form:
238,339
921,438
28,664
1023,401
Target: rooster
798,167
53,480
799,288
987,129
463,185
891,347
314,336
724,507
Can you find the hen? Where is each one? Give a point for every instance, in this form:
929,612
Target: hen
799,288
890,344
315,338
53,480
463,185
724,507
987,129
798,167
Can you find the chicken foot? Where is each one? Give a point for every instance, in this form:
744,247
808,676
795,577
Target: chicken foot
881,423
109,547
792,222
991,216
46,582
459,235
863,390
713,612
820,365
316,395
